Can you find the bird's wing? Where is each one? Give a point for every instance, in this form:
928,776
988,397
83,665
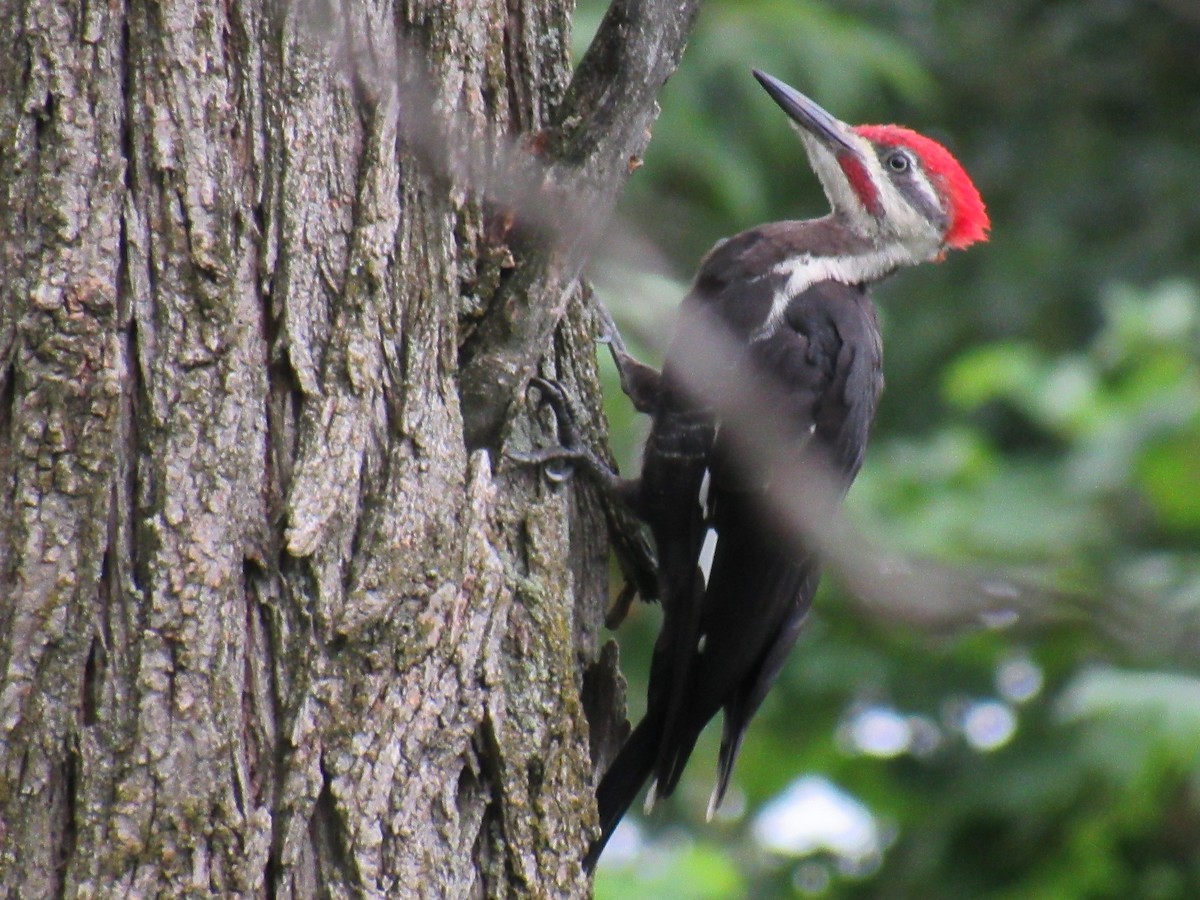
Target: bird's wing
818,378
670,500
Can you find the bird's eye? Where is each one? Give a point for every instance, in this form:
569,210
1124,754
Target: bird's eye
898,162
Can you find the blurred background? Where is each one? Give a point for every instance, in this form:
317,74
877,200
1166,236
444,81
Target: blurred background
1042,418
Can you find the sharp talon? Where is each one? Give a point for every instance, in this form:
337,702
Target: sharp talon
572,448
546,458
545,389
557,476
610,334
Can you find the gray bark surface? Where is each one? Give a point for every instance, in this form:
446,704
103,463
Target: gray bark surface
274,620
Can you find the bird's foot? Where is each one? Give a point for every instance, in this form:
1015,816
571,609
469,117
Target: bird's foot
634,554
558,463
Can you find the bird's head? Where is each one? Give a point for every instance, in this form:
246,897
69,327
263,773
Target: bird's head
892,186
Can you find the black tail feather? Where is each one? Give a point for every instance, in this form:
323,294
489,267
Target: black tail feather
676,756
622,782
734,729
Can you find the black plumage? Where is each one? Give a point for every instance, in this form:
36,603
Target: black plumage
818,376
777,329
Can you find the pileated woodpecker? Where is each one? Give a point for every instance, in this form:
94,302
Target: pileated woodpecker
791,297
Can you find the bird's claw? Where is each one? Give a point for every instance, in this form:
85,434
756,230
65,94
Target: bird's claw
609,333
570,449
546,458
560,463
553,396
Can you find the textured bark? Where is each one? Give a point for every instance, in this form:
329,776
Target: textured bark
271,623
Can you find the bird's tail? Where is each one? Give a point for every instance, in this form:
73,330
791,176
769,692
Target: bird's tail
732,733
621,783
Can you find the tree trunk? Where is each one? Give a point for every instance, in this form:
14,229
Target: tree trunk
279,617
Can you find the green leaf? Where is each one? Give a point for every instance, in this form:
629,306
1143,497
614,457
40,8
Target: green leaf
1010,371
1160,709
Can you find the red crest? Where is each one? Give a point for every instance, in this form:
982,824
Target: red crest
968,216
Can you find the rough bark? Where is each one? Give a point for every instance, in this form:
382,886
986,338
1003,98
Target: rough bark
271,623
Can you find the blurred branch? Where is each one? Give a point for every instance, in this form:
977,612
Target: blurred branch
561,189
602,128
890,589
557,188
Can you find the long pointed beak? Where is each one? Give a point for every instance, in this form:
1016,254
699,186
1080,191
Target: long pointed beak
808,115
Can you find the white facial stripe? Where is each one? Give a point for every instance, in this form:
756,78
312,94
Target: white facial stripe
900,234
838,190
802,272
897,219
925,186
902,218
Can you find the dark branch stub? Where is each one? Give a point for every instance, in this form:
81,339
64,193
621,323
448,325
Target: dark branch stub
603,121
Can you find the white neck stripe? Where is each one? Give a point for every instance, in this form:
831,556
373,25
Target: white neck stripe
802,272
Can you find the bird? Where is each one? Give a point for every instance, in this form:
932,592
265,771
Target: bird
786,305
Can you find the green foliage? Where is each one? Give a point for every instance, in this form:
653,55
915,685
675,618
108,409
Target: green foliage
686,871
1042,415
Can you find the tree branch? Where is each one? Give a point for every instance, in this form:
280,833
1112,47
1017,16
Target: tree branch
602,128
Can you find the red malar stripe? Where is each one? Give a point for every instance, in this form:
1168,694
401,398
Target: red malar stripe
860,180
